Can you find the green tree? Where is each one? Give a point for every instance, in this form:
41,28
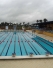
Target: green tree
23,23
37,21
40,21
28,23
45,20
20,23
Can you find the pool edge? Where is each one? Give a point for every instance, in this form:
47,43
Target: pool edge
26,57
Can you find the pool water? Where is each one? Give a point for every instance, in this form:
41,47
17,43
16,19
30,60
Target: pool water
23,43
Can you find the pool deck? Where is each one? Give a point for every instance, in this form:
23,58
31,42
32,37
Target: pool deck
43,36
29,63
33,63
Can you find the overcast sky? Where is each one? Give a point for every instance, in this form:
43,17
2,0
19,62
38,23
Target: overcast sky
17,11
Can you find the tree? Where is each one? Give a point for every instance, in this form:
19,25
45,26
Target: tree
20,24
6,23
2,23
28,23
23,23
17,24
40,21
45,20
37,21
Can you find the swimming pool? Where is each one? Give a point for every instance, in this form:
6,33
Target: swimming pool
22,44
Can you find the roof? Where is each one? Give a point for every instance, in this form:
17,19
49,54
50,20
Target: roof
43,23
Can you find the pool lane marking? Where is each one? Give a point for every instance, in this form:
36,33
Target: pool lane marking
33,45
30,45
14,44
1,32
24,46
2,35
45,48
19,45
45,42
9,46
5,46
42,46
35,49
4,39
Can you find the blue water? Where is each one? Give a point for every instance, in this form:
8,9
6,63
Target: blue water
23,44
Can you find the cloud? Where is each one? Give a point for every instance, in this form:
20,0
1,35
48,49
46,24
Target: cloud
25,10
